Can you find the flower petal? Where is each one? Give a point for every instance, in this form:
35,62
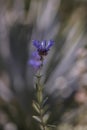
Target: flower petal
50,43
43,44
36,43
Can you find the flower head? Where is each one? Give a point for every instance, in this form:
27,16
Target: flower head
35,61
43,47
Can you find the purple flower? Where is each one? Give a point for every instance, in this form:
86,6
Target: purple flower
35,61
43,47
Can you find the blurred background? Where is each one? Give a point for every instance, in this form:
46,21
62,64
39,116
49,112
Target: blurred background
65,71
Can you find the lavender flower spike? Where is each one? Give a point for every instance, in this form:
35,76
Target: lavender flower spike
43,47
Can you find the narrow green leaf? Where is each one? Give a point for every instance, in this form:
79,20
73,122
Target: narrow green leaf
36,107
45,109
45,100
52,126
46,117
37,119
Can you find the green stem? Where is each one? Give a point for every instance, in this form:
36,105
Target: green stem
41,91
39,95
